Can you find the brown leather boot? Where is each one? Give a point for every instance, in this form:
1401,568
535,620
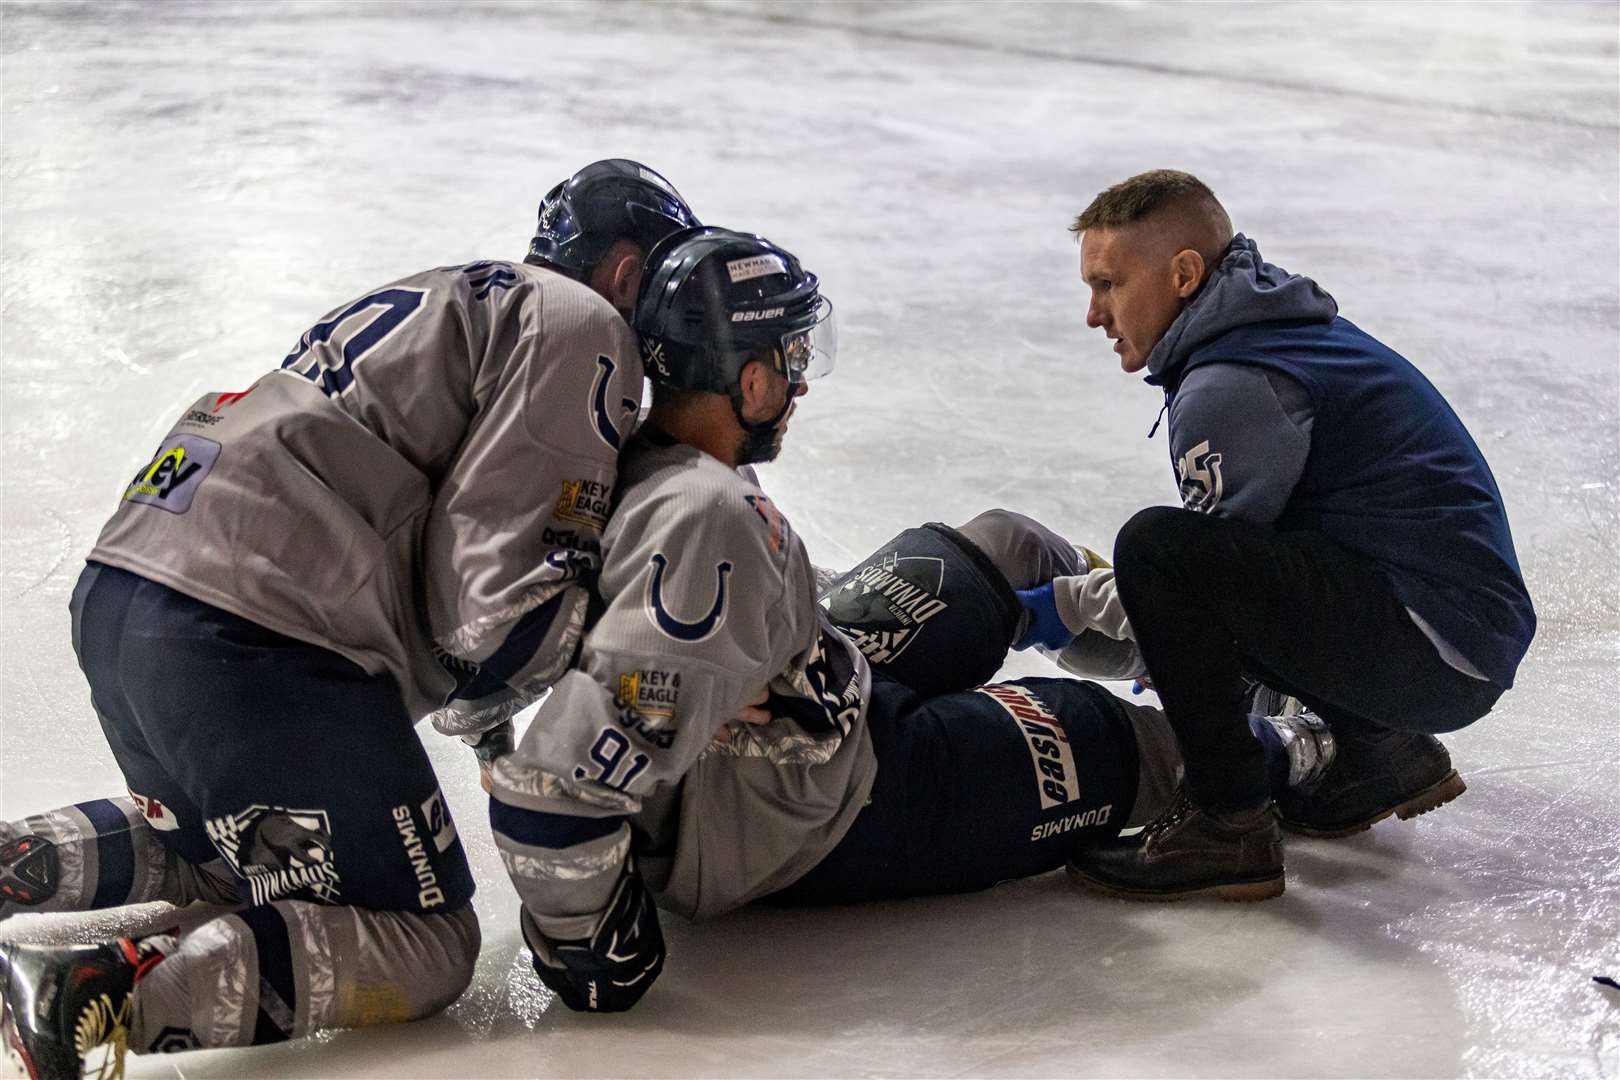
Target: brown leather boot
1190,852
1372,776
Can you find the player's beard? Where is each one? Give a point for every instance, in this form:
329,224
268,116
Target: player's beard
762,442
760,445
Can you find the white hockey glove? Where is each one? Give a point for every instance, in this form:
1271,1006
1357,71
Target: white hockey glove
611,969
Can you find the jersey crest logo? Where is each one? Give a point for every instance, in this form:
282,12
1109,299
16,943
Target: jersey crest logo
680,629
1200,473
606,430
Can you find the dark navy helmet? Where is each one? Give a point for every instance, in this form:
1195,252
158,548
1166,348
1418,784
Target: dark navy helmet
605,201
712,299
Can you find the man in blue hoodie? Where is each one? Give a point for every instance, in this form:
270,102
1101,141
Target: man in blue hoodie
1342,541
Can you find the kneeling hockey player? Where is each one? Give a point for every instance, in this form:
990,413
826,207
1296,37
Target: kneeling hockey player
259,624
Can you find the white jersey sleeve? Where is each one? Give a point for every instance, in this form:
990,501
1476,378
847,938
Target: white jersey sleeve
518,518
708,602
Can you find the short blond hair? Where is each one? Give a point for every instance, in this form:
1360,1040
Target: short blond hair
1152,193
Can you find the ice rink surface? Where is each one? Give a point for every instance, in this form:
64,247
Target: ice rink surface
187,188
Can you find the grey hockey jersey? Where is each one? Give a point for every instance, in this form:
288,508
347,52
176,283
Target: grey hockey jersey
709,599
420,487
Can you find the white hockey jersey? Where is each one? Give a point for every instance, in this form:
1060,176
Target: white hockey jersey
420,487
709,598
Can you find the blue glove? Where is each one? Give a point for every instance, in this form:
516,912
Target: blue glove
1045,628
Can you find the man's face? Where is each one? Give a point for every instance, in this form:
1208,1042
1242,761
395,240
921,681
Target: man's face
767,395
1134,292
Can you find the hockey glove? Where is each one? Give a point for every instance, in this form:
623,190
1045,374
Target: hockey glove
1045,627
611,969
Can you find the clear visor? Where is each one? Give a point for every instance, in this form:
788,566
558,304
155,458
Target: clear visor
809,353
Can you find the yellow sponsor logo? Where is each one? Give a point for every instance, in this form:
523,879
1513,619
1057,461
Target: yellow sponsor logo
585,502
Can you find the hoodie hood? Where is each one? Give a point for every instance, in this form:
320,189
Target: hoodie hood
1244,289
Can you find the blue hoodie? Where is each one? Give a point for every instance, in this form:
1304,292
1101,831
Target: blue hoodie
1282,413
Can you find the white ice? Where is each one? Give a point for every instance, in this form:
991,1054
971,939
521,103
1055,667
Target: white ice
186,188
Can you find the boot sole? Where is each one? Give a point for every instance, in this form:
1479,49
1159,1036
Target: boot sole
1236,892
1430,798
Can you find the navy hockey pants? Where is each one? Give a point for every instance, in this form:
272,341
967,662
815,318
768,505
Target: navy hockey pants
294,765
975,785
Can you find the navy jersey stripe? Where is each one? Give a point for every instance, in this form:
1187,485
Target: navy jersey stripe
115,853
524,640
278,995
536,828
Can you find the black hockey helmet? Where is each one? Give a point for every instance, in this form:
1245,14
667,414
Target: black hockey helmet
712,299
605,201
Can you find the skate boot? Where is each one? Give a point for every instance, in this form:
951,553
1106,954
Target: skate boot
58,1003
1373,774
1190,852
28,872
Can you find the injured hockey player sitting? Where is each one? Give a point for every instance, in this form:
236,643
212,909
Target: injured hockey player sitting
726,737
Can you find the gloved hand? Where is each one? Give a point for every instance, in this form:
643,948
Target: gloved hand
1045,627
489,745
611,969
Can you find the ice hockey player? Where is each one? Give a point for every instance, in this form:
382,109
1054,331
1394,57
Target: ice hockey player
722,740
1342,540
401,515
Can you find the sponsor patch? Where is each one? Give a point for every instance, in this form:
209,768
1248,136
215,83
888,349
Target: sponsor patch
157,815
170,481
1049,752
649,693
884,605
585,502
280,851
198,418
755,266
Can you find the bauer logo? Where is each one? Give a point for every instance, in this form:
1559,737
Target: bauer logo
757,266
757,316
170,480
585,502
1049,752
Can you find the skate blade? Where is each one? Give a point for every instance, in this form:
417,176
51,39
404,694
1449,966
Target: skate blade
1432,797
1240,892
